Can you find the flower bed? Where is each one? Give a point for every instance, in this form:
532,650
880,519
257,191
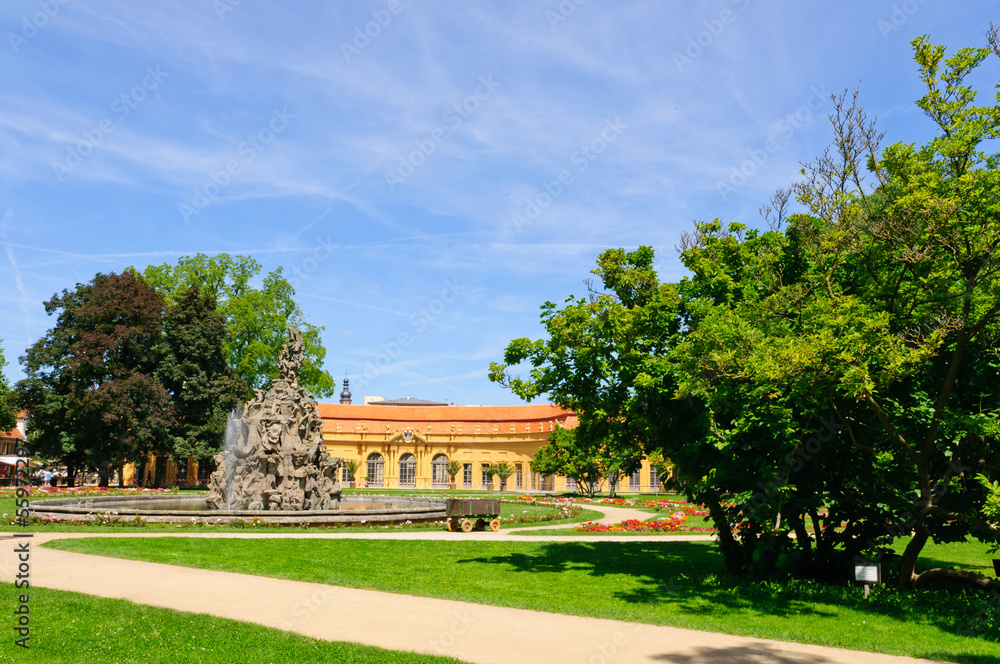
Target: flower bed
663,505
672,524
69,492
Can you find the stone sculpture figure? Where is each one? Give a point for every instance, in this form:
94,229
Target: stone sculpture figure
276,459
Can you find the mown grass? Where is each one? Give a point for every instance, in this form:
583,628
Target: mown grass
669,583
71,627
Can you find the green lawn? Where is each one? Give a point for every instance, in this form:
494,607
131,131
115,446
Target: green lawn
70,627
670,583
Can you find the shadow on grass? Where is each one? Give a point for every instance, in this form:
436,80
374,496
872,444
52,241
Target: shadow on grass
690,577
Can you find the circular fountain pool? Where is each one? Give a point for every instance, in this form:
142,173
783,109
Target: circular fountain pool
177,509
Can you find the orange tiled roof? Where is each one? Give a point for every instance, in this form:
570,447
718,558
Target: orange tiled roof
468,416
13,433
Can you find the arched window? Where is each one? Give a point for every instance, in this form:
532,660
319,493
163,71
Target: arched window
439,470
374,474
407,470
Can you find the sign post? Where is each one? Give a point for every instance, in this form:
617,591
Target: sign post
869,573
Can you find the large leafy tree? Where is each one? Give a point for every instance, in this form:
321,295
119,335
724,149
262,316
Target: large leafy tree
590,361
194,371
881,309
90,386
257,318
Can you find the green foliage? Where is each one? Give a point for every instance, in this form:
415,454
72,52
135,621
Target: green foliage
8,399
352,466
194,371
592,360
90,387
256,318
454,468
585,464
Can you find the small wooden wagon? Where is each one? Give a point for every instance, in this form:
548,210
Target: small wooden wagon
462,511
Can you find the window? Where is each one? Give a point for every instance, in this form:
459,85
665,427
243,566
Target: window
654,478
345,473
181,477
407,470
439,470
205,469
635,480
466,474
570,484
374,469
518,476
485,480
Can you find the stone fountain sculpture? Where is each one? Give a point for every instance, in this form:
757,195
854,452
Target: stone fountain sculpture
274,458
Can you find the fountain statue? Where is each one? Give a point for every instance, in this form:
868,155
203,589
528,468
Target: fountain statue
274,457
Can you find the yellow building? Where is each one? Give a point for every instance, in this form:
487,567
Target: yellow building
408,443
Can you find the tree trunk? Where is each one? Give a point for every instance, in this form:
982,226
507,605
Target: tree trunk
70,475
948,574
907,567
731,551
121,476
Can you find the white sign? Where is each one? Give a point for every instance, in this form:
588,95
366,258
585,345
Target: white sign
867,573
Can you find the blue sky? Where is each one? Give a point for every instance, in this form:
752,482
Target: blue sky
427,174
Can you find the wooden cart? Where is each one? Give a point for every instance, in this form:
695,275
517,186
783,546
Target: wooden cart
462,511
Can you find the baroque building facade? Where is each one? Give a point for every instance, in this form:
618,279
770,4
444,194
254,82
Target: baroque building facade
408,444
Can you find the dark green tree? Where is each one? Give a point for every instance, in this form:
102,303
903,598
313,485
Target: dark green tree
8,399
195,372
257,318
90,386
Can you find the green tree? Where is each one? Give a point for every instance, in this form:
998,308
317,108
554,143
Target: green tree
564,456
503,472
194,371
8,399
881,308
592,357
90,387
454,468
257,319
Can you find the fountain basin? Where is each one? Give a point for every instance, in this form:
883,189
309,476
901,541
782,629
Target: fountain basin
182,509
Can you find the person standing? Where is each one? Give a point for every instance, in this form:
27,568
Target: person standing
47,477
